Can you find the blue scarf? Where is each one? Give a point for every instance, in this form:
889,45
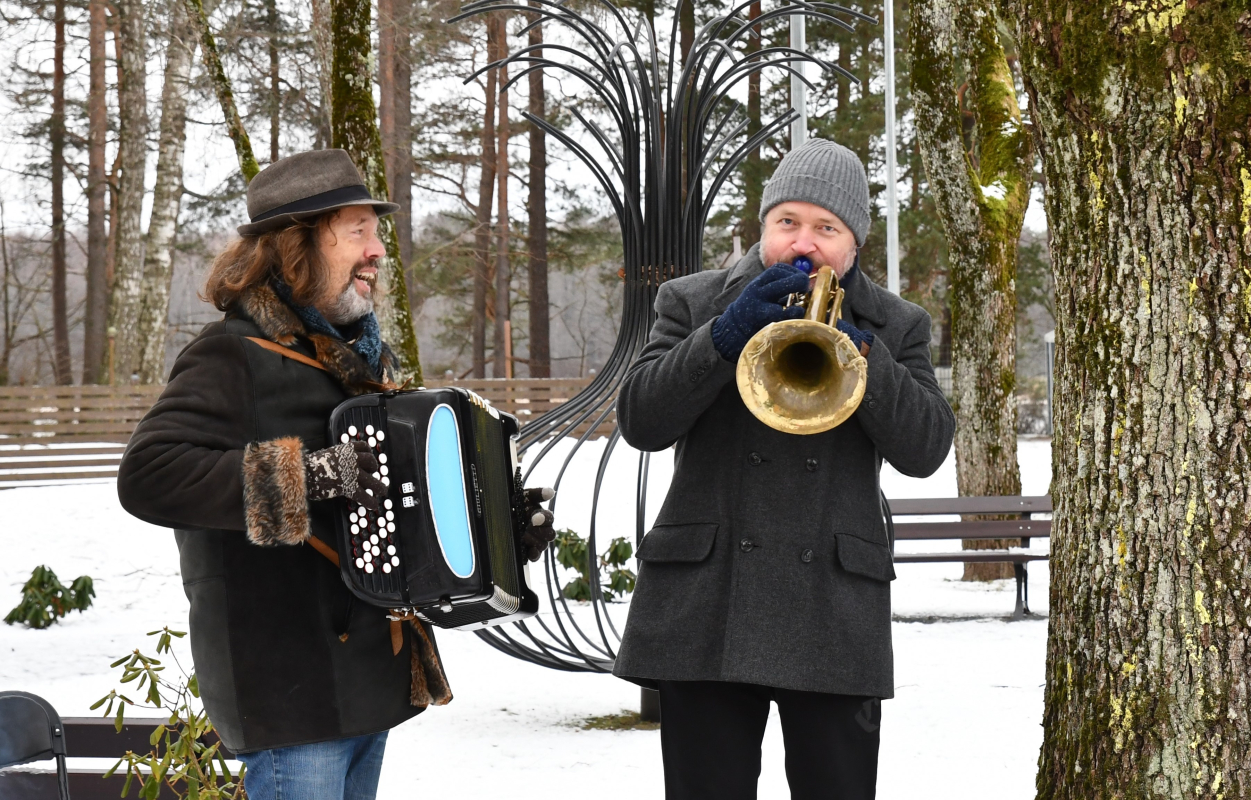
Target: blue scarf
363,336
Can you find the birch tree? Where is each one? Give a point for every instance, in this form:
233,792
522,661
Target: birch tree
166,197
981,194
132,154
1142,113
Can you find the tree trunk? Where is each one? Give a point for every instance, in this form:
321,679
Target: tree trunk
486,193
540,312
753,166
221,87
982,208
132,148
166,197
395,113
61,368
275,86
1145,152
6,347
354,127
96,304
503,270
323,51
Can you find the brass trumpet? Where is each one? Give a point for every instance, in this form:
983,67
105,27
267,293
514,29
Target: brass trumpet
804,375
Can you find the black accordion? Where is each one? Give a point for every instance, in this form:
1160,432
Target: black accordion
446,540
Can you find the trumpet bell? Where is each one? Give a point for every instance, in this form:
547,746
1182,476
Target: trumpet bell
801,376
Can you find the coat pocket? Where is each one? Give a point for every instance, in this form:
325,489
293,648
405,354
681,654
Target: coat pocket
689,542
869,559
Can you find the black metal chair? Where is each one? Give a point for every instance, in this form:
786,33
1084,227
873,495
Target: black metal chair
31,730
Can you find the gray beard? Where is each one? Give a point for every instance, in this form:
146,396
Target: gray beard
348,307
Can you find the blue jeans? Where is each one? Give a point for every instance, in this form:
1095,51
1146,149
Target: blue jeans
342,769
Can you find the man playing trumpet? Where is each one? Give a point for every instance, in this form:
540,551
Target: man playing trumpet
766,577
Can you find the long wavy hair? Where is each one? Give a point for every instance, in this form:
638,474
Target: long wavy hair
290,254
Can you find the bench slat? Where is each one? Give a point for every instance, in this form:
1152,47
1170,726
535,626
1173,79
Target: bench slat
970,505
967,556
981,529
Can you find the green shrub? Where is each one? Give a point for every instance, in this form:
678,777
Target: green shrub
45,599
572,553
179,759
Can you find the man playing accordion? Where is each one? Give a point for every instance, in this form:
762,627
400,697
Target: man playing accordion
298,678
767,575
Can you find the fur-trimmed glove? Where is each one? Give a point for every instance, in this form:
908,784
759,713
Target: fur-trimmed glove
345,470
539,532
758,305
863,340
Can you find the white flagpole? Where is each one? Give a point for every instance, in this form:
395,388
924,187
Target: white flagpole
799,92
892,201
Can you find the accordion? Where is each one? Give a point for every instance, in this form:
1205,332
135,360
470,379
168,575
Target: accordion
445,541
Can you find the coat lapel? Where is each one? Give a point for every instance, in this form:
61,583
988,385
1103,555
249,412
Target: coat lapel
741,274
860,302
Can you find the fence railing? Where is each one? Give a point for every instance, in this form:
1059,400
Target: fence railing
50,434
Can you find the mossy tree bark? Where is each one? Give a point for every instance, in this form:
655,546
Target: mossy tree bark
158,260
1142,113
981,197
354,128
221,87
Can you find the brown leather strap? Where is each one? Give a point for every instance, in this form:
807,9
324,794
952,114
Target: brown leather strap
325,549
397,636
287,352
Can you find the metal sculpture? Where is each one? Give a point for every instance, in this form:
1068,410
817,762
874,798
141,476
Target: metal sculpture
668,140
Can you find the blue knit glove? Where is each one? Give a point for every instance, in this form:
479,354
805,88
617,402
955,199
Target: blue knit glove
863,340
758,305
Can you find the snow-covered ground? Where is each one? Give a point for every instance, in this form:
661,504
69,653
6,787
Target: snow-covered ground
964,722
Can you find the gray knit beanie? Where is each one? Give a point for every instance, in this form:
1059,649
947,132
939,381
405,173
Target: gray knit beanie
826,174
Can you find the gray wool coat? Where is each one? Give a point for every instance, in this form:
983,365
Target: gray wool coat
769,561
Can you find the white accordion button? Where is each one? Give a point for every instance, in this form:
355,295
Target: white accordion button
377,551
382,458
383,534
369,430
383,469
369,568
386,481
382,435
351,430
386,567
391,527
373,539
373,442
390,514
395,560
345,438
390,549
360,563
355,530
376,476
386,503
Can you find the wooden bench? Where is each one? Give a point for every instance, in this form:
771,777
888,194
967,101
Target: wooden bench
85,737
1023,527
53,434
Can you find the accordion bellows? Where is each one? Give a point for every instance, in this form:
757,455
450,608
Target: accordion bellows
446,541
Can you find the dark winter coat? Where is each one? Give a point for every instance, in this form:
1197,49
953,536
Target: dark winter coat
769,561
283,653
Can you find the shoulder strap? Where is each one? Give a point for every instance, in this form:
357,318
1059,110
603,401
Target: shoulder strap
287,352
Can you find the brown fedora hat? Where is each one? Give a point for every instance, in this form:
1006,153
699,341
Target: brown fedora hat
305,185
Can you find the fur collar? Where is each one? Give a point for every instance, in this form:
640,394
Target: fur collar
280,324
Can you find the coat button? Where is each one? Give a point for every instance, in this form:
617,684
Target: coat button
872,404
806,556
746,545
754,458
811,464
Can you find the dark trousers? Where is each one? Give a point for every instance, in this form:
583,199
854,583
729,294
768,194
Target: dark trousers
710,736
